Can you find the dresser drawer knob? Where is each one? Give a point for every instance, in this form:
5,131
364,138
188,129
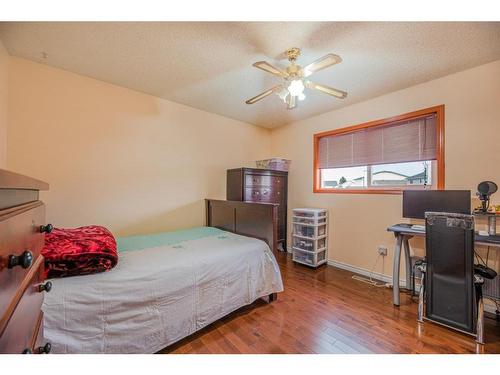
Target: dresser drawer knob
24,260
27,351
45,287
45,349
46,228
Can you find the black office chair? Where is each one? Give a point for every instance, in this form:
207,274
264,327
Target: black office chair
451,284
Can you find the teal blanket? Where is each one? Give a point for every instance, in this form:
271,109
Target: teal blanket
131,243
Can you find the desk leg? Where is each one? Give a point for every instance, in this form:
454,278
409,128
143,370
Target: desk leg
421,295
407,262
395,270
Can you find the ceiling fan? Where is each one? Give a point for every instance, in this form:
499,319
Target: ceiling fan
295,79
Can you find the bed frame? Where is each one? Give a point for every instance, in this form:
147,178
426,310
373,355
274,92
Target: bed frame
257,220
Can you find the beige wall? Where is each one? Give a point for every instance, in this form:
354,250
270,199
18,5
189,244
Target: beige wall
139,164
4,70
120,158
358,222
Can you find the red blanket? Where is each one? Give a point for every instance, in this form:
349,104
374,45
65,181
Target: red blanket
79,251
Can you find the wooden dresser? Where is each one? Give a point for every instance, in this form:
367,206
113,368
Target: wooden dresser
22,227
264,186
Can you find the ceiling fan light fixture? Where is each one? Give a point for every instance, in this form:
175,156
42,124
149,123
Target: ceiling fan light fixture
283,94
296,87
295,79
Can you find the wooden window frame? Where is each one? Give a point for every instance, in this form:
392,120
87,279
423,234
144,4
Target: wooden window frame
438,110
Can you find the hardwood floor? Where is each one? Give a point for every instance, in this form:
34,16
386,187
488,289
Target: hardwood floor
325,311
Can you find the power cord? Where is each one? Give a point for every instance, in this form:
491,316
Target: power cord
370,280
478,257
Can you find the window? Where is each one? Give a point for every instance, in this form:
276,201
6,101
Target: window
384,156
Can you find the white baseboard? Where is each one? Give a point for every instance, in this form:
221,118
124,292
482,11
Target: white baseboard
361,271
488,306
364,272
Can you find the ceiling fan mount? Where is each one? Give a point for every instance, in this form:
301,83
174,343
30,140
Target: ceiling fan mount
293,53
295,78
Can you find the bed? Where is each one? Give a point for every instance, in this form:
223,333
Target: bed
167,286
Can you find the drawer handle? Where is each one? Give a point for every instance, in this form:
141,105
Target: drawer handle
46,228
24,260
27,351
47,287
44,349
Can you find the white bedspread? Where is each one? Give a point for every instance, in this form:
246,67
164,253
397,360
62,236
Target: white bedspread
157,296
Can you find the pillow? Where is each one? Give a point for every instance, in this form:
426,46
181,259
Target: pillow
79,251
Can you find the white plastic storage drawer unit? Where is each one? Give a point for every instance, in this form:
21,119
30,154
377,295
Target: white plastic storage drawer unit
310,215
308,244
305,220
309,231
310,236
308,258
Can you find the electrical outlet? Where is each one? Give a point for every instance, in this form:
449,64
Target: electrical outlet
382,250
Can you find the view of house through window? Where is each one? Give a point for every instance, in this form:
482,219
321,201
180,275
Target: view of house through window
382,156
417,173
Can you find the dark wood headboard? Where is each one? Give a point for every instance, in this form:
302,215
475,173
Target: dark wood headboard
258,220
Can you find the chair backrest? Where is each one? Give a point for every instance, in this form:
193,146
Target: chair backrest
450,270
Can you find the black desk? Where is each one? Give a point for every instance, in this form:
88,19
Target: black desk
403,232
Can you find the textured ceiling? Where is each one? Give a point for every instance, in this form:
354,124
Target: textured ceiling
208,65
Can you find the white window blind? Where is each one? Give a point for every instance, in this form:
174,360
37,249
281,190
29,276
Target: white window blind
398,142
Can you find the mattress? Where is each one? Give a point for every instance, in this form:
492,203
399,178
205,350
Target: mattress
164,288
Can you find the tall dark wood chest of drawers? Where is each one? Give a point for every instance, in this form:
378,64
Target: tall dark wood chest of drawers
22,227
264,186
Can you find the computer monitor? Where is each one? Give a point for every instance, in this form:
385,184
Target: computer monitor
417,202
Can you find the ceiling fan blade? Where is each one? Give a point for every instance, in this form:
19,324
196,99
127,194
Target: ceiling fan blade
270,69
327,90
321,63
292,102
264,94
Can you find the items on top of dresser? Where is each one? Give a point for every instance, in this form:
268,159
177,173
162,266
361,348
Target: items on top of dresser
277,164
